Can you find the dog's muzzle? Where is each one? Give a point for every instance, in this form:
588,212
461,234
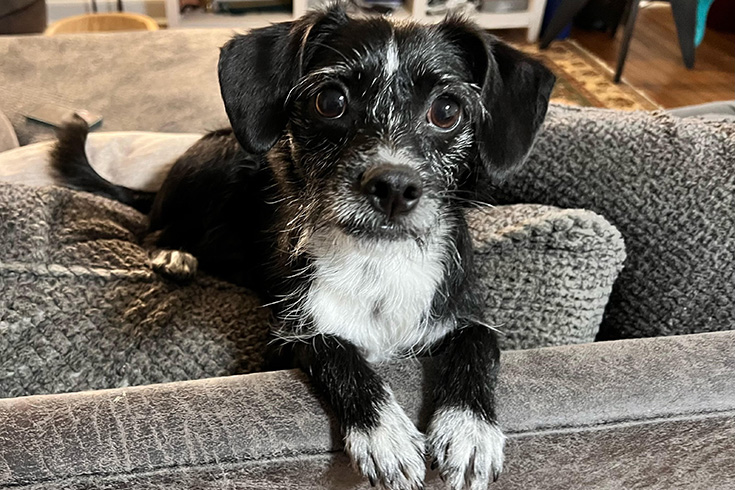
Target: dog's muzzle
393,190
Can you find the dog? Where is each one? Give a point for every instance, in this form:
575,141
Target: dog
338,195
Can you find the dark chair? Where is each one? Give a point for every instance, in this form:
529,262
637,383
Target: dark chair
685,17
22,16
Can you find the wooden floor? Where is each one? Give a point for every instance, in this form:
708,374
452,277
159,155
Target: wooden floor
654,65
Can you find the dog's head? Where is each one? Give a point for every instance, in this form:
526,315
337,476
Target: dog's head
376,126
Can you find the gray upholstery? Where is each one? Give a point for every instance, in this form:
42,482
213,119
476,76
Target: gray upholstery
138,81
81,308
723,110
645,413
545,273
668,185
628,414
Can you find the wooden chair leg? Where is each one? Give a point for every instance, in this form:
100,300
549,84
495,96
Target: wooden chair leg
627,35
685,17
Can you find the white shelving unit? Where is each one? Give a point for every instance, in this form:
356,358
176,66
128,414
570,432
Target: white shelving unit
529,19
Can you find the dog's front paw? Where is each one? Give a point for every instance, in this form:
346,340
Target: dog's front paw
467,449
392,454
177,265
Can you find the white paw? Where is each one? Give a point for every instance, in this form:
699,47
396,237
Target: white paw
392,454
467,449
175,264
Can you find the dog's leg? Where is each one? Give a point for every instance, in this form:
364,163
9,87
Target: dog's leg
463,437
178,265
382,442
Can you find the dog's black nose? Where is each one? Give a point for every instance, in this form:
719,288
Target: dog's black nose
392,189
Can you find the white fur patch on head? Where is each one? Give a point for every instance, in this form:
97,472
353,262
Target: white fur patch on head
376,294
468,449
392,62
391,454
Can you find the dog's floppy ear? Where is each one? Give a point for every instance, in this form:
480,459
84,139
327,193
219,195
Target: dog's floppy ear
515,90
257,70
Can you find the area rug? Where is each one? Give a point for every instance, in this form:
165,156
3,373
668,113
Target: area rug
582,80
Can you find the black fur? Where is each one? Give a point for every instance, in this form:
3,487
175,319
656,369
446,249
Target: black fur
246,214
71,167
458,385
515,94
355,399
214,204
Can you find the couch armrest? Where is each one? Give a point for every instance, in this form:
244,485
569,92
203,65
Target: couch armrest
586,416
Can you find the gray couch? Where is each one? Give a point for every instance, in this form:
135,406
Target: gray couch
656,412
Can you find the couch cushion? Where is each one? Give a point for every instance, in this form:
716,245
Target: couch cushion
8,139
545,274
135,159
668,185
81,308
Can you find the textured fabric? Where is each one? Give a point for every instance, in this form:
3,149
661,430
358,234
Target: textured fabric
668,185
684,454
645,413
545,273
565,261
81,308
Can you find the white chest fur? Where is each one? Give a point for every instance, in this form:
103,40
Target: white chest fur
376,294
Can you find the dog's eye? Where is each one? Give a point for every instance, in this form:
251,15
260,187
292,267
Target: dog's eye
331,103
444,113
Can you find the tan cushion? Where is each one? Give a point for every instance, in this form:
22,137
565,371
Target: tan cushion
133,158
8,139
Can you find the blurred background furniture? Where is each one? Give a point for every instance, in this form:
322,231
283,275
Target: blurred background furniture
114,21
22,16
105,22
686,14
529,18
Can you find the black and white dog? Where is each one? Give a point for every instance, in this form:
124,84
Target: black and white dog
339,196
